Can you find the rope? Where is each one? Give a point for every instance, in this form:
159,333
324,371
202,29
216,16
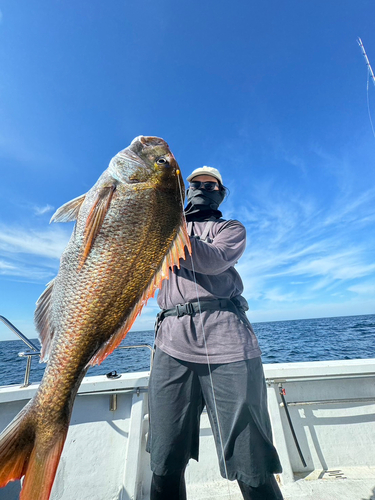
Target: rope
206,352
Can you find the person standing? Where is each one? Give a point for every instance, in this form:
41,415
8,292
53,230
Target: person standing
207,355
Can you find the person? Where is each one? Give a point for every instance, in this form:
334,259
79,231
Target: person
206,354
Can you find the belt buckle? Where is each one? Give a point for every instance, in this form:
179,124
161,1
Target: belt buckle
180,310
189,308
184,309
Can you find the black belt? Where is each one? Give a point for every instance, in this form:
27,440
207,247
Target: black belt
191,308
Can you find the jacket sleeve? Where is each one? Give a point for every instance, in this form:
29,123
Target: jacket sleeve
216,257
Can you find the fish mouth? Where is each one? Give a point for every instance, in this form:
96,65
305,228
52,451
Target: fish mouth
149,140
142,143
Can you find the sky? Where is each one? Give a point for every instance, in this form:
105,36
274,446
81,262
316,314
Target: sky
276,95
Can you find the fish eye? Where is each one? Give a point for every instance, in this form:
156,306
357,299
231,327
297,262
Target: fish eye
161,161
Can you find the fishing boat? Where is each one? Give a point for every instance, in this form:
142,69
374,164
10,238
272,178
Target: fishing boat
323,419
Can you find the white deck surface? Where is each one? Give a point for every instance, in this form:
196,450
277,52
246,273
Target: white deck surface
204,481
302,489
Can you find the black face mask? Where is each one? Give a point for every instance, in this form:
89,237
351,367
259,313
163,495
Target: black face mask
204,202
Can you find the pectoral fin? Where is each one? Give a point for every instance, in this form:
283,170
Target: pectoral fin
69,211
95,219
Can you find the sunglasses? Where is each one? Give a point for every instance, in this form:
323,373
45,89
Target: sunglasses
206,185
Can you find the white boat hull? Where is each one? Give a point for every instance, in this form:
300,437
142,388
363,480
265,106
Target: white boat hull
331,404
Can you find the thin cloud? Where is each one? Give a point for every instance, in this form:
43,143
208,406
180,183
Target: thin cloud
43,210
49,243
279,295
297,162
366,289
297,253
289,237
27,273
337,266
4,267
349,210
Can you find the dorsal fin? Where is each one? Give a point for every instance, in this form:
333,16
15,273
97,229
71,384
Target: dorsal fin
42,321
95,219
172,258
69,211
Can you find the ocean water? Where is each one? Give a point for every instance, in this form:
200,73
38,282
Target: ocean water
349,337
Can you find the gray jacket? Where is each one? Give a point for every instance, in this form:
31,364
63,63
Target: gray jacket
221,334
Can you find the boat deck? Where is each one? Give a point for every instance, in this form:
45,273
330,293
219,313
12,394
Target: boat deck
337,483
348,489
332,410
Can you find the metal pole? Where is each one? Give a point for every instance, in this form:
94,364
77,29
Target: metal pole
27,372
28,343
281,391
20,335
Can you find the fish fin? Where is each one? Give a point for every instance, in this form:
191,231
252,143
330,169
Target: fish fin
172,258
23,454
41,470
95,219
69,211
16,444
42,321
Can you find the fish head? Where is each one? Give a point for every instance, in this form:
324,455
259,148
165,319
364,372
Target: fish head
147,160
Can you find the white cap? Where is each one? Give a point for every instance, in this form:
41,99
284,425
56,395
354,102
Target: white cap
206,171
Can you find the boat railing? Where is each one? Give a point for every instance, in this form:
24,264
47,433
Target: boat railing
18,333
27,354
281,381
36,352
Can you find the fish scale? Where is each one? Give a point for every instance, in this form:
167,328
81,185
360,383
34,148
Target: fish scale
129,232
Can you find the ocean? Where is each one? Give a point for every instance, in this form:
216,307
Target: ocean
349,337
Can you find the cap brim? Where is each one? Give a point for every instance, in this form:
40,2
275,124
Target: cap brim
203,172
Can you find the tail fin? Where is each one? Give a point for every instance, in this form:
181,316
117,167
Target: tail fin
22,455
41,470
16,444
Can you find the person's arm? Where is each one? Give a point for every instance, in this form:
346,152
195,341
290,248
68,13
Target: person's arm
218,256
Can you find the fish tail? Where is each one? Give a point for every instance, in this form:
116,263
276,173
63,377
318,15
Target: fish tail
16,444
23,454
41,470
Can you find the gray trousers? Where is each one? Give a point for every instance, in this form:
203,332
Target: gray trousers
178,391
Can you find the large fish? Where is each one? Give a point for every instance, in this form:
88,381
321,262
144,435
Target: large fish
129,232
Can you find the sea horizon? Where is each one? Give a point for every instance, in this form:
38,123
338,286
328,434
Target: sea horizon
287,341
15,337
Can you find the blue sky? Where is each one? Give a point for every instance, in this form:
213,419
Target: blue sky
273,94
